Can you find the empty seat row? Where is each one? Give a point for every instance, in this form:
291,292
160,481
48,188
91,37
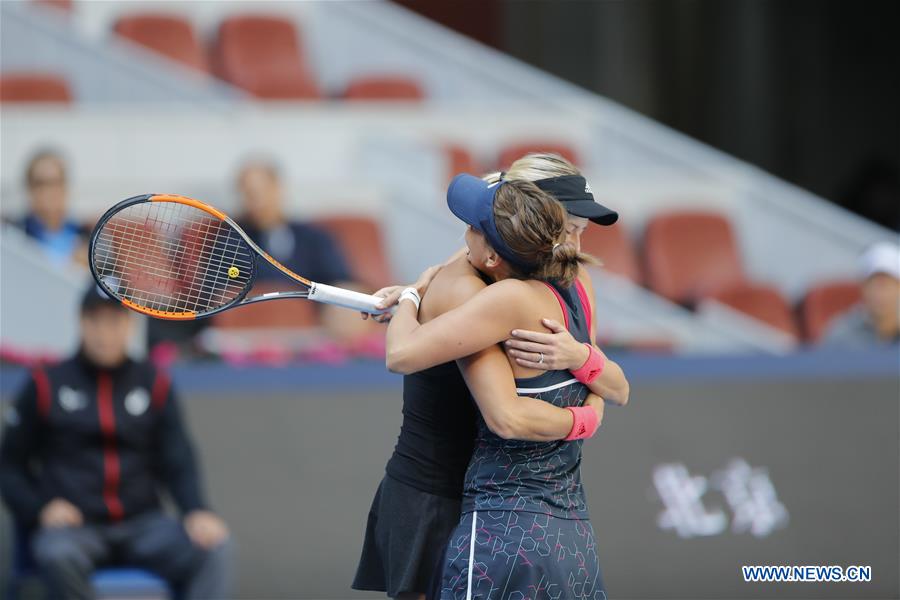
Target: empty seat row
263,55
34,87
692,257
29,87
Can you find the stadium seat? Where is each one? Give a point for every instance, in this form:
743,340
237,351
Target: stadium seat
614,250
510,153
459,160
129,583
689,255
169,35
823,303
276,315
61,5
385,87
264,56
34,87
363,244
115,582
762,302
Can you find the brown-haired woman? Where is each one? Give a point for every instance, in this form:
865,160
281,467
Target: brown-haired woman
525,523
418,502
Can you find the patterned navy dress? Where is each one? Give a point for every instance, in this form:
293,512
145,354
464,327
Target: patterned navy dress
525,531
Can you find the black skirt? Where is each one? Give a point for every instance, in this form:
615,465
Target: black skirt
406,534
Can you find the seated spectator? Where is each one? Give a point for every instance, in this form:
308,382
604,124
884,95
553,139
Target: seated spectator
876,320
302,248
47,221
87,447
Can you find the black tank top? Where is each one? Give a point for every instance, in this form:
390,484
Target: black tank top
438,432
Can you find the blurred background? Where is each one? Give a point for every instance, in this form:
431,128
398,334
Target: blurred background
750,147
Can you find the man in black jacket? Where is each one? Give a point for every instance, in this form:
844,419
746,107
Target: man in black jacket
87,446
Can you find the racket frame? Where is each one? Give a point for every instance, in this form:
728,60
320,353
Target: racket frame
314,291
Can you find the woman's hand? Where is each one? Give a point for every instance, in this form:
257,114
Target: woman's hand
556,351
597,403
425,278
391,293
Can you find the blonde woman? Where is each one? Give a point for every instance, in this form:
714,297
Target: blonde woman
418,501
518,243
436,438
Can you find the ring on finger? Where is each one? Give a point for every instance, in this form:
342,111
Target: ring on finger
540,362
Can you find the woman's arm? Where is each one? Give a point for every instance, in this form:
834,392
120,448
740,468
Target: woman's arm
390,295
612,380
481,322
562,351
510,416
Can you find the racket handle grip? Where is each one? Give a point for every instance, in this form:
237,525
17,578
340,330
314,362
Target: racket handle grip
346,298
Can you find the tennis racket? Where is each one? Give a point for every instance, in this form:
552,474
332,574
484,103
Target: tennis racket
173,257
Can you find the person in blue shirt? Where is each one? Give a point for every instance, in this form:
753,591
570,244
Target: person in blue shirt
301,247
62,239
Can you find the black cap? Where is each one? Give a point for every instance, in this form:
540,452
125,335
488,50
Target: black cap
578,199
94,297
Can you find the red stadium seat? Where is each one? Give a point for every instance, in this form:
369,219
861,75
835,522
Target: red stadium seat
510,153
264,56
34,87
61,5
363,244
385,87
459,161
275,315
169,35
762,302
823,303
690,254
612,246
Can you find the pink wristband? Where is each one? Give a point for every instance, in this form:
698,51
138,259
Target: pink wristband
591,368
585,425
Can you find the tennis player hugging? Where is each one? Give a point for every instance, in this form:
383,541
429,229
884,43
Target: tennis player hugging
482,497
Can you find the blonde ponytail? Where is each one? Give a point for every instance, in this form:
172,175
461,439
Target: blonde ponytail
532,223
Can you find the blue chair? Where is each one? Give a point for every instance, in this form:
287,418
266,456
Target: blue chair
126,582
118,582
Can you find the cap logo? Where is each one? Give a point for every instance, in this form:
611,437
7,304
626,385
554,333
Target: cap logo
587,188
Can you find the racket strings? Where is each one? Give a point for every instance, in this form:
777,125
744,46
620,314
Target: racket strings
172,257
182,255
157,286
